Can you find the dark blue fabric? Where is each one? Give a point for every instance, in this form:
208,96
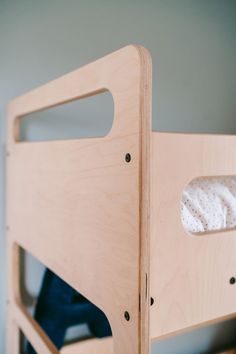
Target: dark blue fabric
59,306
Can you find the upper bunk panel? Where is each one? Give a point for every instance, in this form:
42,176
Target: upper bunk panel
190,275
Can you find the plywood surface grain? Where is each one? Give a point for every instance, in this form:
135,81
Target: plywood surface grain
190,275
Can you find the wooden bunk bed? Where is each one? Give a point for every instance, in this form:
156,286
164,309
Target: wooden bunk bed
123,192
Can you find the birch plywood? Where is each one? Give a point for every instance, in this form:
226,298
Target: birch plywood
189,274
91,346
78,206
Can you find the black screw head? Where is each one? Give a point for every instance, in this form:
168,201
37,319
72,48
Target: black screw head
151,301
127,157
127,316
232,280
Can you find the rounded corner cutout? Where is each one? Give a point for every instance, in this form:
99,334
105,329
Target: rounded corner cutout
87,117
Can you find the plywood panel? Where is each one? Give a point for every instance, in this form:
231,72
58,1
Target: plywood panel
90,346
189,274
79,206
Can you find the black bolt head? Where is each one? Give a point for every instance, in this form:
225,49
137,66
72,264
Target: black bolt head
127,157
127,316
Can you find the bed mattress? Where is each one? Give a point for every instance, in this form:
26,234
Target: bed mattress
209,204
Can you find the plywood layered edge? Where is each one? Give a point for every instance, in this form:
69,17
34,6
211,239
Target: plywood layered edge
78,206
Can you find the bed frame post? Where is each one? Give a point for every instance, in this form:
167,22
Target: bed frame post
145,205
108,199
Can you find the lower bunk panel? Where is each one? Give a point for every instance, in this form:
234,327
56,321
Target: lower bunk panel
190,275
90,346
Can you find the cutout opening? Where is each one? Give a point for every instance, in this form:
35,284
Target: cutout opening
212,338
23,343
82,118
208,205
65,315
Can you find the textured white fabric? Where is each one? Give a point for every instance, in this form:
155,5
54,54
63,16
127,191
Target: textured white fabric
209,204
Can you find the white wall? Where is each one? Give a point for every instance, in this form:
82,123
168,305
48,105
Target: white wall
193,46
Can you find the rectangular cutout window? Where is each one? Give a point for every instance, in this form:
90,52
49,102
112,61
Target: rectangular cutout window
84,118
